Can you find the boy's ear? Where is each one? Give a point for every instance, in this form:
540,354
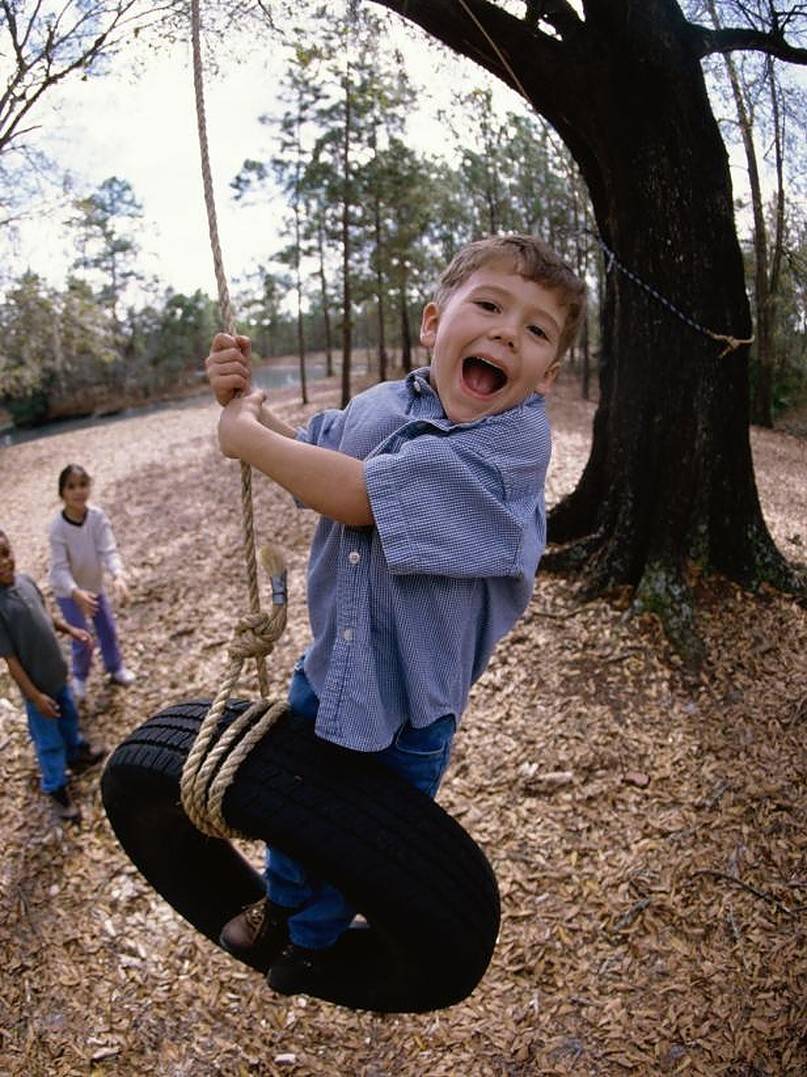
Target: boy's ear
428,325
548,378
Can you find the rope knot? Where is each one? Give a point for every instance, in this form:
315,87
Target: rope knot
254,636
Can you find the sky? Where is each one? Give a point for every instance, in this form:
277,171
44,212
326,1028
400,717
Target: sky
143,129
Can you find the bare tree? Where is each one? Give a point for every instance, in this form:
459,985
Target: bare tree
42,45
46,44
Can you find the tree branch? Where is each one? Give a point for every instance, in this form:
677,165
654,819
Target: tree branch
559,14
458,27
732,39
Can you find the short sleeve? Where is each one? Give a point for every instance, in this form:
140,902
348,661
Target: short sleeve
324,429
61,577
6,646
442,509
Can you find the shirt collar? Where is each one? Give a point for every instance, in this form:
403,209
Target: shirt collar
418,383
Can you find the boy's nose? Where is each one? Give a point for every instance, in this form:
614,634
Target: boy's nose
505,333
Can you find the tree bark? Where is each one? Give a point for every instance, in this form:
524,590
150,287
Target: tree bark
669,484
406,332
325,300
347,298
379,289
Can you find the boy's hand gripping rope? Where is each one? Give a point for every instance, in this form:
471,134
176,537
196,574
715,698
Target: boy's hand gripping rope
211,766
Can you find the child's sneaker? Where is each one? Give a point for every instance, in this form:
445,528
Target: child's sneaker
258,933
299,971
87,756
122,676
63,805
79,688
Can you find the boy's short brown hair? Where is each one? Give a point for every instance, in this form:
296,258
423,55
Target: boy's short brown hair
532,259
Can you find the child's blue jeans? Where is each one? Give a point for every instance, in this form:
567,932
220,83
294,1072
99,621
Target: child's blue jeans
420,756
56,740
106,630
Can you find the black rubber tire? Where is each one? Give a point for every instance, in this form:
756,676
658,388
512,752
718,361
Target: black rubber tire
425,888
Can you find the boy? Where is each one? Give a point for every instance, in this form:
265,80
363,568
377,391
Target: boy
430,492
35,661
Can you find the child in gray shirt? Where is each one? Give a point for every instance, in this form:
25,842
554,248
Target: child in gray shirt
35,661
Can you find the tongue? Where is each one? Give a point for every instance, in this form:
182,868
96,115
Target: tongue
480,376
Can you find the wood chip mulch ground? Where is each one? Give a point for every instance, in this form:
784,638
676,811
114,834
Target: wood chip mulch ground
649,833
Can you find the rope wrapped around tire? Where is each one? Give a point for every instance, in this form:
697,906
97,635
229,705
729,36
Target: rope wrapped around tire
425,888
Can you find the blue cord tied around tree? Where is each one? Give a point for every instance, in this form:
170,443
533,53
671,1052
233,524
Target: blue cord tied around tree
730,343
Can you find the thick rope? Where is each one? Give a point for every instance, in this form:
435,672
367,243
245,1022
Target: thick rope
212,763
504,61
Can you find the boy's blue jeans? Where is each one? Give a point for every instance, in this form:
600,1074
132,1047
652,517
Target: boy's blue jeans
56,740
420,756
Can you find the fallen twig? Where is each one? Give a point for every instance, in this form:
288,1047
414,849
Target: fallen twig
744,886
626,919
560,616
717,796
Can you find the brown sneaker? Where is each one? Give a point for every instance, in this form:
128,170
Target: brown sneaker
86,757
299,971
63,805
258,934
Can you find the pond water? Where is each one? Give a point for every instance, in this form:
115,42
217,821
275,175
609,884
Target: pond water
276,377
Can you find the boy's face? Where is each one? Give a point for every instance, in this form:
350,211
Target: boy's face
493,343
6,562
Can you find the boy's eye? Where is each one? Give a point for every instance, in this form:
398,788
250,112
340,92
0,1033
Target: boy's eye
487,304
538,331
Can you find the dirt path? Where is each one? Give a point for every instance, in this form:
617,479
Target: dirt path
653,896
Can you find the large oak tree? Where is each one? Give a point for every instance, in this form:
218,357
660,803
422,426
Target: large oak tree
669,484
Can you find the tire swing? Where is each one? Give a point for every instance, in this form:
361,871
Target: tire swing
197,774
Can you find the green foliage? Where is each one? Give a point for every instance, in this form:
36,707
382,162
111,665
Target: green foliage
187,325
106,247
261,315
62,351
789,328
27,321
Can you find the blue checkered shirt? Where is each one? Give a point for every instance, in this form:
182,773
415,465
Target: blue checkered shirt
405,614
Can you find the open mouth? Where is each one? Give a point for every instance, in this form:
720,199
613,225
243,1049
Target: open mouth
481,376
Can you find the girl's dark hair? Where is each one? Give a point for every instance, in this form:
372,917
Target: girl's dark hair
71,469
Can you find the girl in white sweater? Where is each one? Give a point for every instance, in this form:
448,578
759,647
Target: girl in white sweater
82,548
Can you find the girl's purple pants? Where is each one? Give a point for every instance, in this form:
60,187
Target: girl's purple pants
105,630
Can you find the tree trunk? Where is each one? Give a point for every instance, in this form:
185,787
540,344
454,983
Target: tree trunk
326,311
669,483
379,291
585,373
299,290
406,332
347,301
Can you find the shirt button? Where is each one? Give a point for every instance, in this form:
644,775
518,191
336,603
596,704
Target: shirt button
347,634
354,557
416,386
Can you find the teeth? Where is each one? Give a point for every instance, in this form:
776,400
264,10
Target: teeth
487,362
